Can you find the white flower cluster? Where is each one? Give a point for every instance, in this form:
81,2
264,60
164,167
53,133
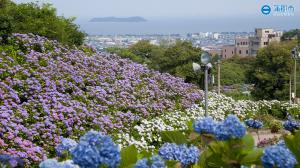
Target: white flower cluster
146,135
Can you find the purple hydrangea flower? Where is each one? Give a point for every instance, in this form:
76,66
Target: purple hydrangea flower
7,160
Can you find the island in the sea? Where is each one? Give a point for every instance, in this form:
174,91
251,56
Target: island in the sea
116,19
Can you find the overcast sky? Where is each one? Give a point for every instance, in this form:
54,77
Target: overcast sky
162,8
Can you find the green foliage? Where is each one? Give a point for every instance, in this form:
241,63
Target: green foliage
295,112
275,126
129,156
232,153
39,19
292,34
292,142
235,70
276,110
143,49
232,73
125,53
176,59
238,95
271,72
173,137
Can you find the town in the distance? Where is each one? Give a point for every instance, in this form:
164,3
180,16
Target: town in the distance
225,44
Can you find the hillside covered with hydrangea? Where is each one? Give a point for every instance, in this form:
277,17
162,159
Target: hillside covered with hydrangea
49,91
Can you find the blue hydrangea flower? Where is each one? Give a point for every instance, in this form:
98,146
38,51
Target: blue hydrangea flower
182,153
7,160
205,126
95,149
68,164
254,123
66,145
278,156
281,143
143,163
154,162
291,125
230,128
51,163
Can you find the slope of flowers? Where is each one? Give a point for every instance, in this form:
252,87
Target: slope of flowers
147,132
49,91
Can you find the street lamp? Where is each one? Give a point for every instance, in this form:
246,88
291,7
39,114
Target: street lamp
219,74
295,55
196,67
205,59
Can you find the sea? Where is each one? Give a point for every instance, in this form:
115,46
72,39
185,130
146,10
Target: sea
184,26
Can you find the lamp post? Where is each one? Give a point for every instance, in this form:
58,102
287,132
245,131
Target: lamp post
219,74
205,59
295,56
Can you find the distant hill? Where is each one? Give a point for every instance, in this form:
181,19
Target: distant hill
115,19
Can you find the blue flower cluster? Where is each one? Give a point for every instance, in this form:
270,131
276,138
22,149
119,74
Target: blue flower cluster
254,123
9,161
281,143
154,162
182,153
205,126
51,163
291,125
230,128
278,156
66,145
96,149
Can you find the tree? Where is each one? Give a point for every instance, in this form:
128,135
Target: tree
5,28
40,20
271,71
180,54
292,34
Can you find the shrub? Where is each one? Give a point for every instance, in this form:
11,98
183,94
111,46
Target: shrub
275,126
41,20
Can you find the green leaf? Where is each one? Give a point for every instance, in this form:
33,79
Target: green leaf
144,154
216,146
173,137
128,156
248,142
190,125
292,142
252,158
171,163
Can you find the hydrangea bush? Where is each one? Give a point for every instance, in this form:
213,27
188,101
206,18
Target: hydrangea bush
49,91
